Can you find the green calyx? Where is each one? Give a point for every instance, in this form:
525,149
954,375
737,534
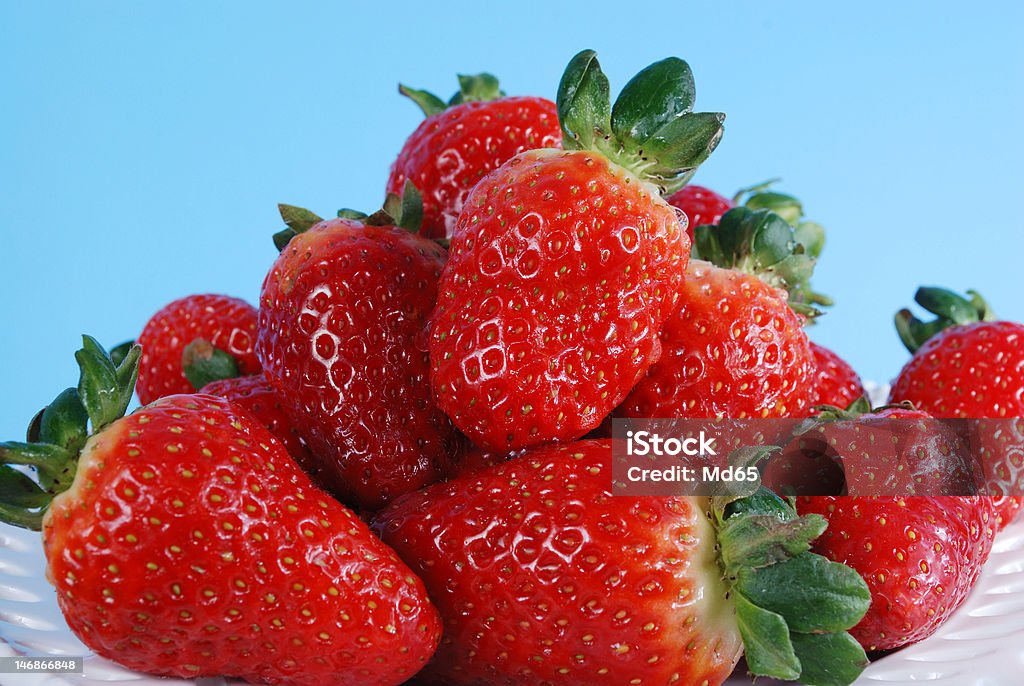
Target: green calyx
762,243
651,129
404,211
793,607
481,87
203,363
949,308
58,433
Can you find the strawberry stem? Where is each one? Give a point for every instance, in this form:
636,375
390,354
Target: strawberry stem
58,434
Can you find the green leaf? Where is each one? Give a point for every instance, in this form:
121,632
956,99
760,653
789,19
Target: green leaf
653,98
584,103
429,103
65,422
811,236
203,363
405,211
105,391
763,502
346,213
477,88
759,541
39,455
814,594
22,501
829,659
120,351
297,219
679,147
951,310
782,204
766,642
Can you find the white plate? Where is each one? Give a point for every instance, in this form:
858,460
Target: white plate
981,645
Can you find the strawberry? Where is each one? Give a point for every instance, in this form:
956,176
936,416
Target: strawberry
564,263
700,205
835,381
735,345
892,450
968,364
189,544
919,555
460,141
342,340
229,324
255,395
543,577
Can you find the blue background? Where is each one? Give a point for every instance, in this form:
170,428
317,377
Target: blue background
145,145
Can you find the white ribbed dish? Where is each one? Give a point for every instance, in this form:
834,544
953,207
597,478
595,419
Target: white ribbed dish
981,645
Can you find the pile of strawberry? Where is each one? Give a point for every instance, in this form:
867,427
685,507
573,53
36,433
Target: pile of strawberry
398,467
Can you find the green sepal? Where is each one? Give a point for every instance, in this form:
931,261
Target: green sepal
64,422
653,99
811,235
482,87
297,219
429,103
356,215
203,363
951,309
727,492
762,541
404,211
766,643
22,501
835,659
761,243
836,600
53,463
651,130
584,103
105,389
782,204
780,588
120,351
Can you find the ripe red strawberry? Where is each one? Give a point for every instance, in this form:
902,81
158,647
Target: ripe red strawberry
920,557
733,348
228,323
343,342
700,205
543,577
893,450
189,544
564,264
459,142
255,395
835,381
966,364
1006,508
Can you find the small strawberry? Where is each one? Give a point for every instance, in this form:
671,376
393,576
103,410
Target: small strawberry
835,381
920,557
189,544
460,141
734,347
565,263
543,577
700,205
342,338
229,324
968,364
